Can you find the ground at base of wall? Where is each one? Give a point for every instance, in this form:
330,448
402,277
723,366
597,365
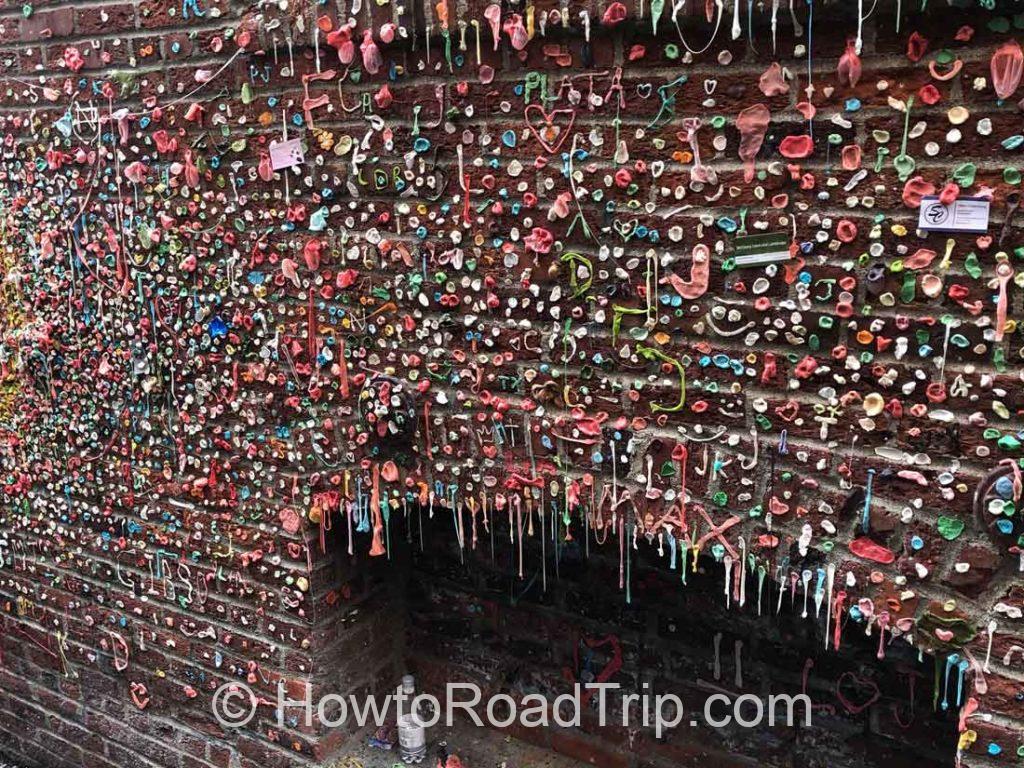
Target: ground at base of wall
475,747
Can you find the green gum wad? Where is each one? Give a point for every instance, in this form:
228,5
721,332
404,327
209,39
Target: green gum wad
904,165
909,289
964,174
972,266
999,359
999,24
1008,443
950,527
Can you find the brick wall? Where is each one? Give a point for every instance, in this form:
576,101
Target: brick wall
229,392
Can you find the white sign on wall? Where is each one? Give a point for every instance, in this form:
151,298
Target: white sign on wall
968,214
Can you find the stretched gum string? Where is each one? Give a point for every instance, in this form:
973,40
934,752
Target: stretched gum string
1001,306
752,124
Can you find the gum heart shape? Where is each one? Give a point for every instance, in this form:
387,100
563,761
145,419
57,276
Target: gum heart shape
625,228
950,527
550,135
864,692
